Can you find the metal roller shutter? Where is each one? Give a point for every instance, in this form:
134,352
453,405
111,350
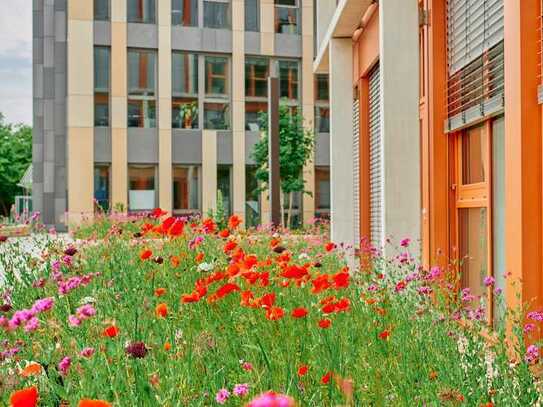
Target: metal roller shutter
356,171
376,159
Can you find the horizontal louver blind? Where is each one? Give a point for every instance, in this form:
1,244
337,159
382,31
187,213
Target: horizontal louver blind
376,159
356,171
474,26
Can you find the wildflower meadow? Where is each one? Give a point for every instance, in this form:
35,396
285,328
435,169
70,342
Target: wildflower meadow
164,311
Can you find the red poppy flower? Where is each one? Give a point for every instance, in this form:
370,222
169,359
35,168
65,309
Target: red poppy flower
295,272
234,221
145,254
343,305
157,213
159,292
209,226
167,224
329,308
299,312
250,261
167,346
226,289
224,233
275,313
302,370
326,378
325,323
384,335
320,283
329,246
174,260
341,279
161,310
193,297
400,286
93,403
267,300
111,331
229,246
24,398
177,228
33,369
199,257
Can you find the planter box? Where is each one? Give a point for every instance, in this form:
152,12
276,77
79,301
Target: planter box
15,230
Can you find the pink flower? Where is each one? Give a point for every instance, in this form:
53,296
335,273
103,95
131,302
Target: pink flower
87,352
43,305
272,399
222,396
32,325
535,315
532,354
85,312
488,281
246,366
529,327
405,242
241,390
74,321
64,365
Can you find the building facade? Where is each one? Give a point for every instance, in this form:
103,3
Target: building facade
446,141
154,103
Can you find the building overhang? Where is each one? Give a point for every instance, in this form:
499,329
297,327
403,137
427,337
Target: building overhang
346,20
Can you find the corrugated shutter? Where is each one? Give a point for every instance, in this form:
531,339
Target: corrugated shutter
475,85
356,171
376,159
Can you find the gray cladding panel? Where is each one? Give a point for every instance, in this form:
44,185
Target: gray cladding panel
102,145
186,146
252,43
322,149
201,39
142,35
102,33
142,146
225,148
288,45
251,138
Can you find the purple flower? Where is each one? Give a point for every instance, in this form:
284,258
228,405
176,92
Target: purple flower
529,327
372,287
498,291
488,281
241,390
85,311
222,396
194,243
137,350
532,354
87,352
466,295
32,325
424,290
64,365
535,315
19,317
405,242
70,251
43,305
434,274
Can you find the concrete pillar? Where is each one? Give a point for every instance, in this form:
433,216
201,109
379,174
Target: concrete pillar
209,171
119,147
325,12
267,27
164,106
399,66
80,109
341,143
238,107
308,104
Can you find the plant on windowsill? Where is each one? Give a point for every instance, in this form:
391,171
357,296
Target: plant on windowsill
187,114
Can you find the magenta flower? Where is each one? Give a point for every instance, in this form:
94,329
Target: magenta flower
272,399
87,352
532,354
222,396
241,390
405,242
32,325
85,311
43,305
64,365
489,281
73,321
246,366
529,327
535,315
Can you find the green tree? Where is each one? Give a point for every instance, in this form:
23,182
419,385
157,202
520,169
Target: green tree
15,157
296,145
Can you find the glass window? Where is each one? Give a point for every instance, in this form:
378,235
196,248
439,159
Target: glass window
101,86
257,71
322,119
186,189
288,79
322,188
286,16
252,15
224,186
321,88
141,187
216,116
217,89
185,13
252,197
141,11
498,210
101,187
474,155
141,88
252,115
101,10
185,90
216,14
216,71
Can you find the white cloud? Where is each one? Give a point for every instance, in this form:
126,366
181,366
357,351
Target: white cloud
16,60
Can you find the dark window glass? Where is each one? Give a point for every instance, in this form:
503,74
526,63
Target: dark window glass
322,188
252,115
101,86
287,17
216,14
252,15
101,10
216,71
185,13
257,71
141,88
288,79
186,189
141,11
252,197
216,116
224,186
185,74
101,188
321,87
322,119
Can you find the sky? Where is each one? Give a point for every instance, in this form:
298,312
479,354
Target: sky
16,60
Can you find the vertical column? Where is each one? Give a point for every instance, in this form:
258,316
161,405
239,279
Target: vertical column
119,148
80,109
399,69
209,170
164,105
238,106
341,143
523,180
308,100
267,27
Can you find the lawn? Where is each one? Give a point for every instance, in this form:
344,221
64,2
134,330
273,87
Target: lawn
159,311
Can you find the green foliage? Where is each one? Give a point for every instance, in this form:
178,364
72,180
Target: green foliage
219,214
15,157
296,145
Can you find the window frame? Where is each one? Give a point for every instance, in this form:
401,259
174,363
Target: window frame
155,185
154,21
228,15
188,211
297,10
215,98
102,93
144,97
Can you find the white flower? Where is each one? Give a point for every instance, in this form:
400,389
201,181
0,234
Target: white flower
205,267
303,256
87,300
